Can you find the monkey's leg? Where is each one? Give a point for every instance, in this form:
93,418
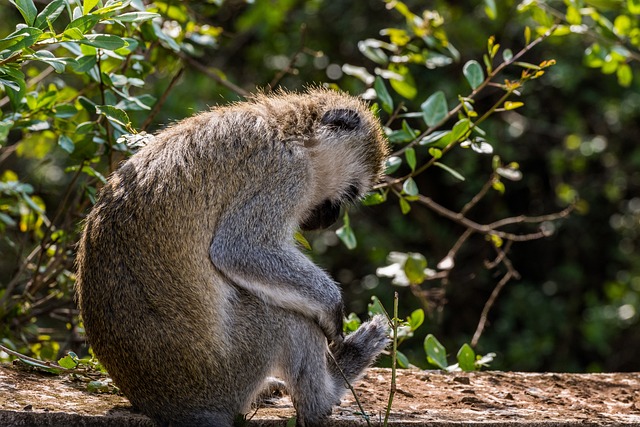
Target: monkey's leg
304,367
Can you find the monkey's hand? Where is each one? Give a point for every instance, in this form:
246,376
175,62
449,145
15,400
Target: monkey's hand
331,324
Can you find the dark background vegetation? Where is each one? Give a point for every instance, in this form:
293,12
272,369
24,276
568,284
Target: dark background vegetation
576,306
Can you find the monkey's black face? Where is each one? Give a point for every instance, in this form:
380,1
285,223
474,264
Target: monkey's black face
322,216
328,212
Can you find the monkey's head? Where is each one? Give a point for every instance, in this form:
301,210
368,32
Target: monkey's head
347,149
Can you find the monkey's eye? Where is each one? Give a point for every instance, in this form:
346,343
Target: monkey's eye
341,119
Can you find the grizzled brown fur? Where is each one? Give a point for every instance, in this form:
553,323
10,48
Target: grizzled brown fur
191,289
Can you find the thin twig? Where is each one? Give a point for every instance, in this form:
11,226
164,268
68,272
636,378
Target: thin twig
162,100
394,356
292,61
32,360
353,391
510,274
203,69
483,191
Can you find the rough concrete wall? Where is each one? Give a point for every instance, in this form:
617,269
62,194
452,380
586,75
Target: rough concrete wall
423,398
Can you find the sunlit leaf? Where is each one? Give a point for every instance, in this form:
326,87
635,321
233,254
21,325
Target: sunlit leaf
113,114
301,240
392,164
434,109
383,95
66,143
49,14
466,358
405,207
27,9
416,319
473,73
405,86
410,155
409,187
436,353
414,268
625,75
633,6
104,41
509,105
347,236
490,9
374,198
453,172
402,360
87,5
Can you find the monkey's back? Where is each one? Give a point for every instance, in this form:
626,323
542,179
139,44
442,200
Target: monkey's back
155,309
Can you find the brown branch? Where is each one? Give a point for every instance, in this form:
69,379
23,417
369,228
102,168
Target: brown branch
510,274
483,191
493,227
292,60
203,69
162,100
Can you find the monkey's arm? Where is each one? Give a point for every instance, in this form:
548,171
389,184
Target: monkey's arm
274,270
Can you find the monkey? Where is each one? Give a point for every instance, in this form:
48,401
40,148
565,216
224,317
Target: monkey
190,285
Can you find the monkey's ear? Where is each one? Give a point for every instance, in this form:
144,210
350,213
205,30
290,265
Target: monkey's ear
341,119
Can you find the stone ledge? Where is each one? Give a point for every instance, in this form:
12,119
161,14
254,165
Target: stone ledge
423,398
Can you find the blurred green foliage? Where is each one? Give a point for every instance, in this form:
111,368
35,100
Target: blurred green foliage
81,82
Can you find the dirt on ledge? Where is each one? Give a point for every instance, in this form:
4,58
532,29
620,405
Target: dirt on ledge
423,398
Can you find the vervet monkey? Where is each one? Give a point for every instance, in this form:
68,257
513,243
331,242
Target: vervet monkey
189,281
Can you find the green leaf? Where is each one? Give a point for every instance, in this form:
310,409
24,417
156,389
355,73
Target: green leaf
58,64
347,236
84,63
436,353
87,5
410,188
84,23
104,41
455,173
507,55
405,207
509,105
473,72
458,133
49,14
298,237
27,10
5,127
67,362
405,87
370,199
383,95
414,268
466,358
402,360
114,114
24,37
392,164
410,155
490,9
434,109
136,16
376,307
66,143
625,75
436,153
416,319
633,6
